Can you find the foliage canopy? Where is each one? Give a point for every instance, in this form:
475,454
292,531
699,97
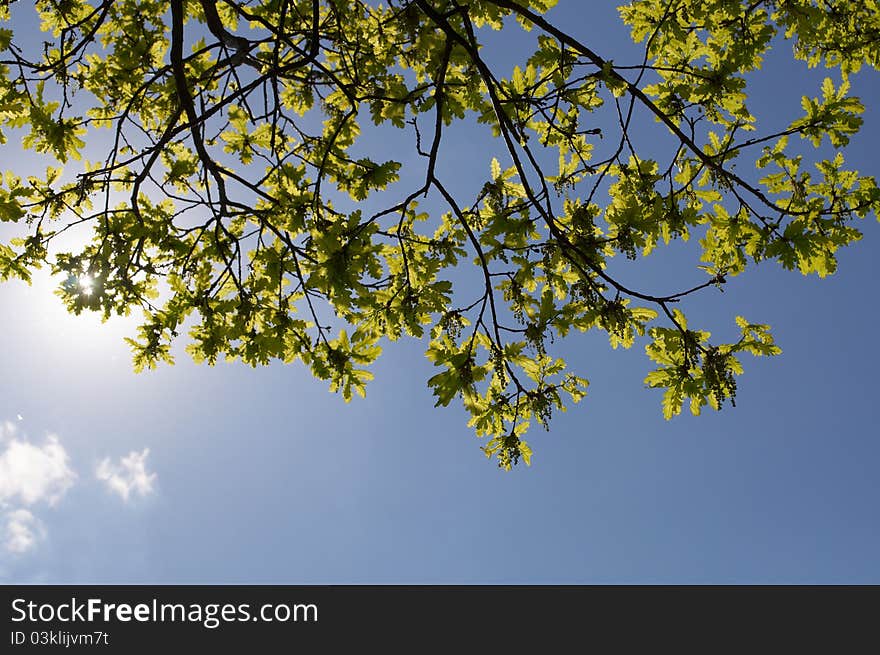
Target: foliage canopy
227,193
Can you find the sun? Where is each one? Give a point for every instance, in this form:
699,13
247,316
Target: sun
57,332
85,283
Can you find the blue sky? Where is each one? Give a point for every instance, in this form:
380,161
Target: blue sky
193,474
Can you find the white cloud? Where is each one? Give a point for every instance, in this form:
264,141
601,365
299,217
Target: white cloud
31,473
22,531
7,430
34,473
128,476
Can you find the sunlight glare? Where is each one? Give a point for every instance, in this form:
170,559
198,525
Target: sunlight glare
85,284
